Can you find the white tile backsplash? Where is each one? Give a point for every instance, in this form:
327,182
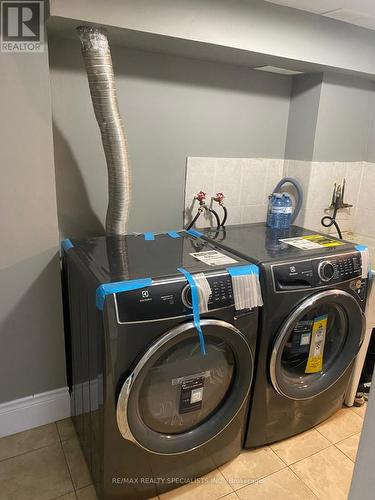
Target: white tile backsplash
367,187
253,213
247,182
228,179
321,186
254,176
317,179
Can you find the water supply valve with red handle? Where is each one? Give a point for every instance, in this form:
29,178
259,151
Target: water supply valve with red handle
201,197
219,198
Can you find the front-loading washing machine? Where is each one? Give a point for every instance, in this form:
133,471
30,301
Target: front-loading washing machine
311,325
152,410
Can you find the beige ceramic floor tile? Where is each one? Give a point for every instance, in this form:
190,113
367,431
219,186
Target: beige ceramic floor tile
37,475
360,410
327,473
231,496
250,465
87,493
349,446
66,429
30,440
68,496
208,487
341,425
77,464
301,446
278,486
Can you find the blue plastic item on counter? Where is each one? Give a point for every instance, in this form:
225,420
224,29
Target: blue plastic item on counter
288,210
277,211
269,210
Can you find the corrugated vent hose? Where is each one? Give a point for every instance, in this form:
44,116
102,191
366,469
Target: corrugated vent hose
98,62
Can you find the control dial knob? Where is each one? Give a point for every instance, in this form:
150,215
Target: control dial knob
186,297
326,270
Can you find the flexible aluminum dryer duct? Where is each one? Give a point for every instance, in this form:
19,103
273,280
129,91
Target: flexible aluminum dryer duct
98,62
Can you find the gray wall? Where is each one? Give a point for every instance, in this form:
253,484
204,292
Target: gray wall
32,350
303,116
173,108
331,118
345,111
371,134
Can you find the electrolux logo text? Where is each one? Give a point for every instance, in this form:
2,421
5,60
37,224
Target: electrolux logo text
22,26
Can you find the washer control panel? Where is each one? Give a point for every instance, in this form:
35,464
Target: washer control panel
317,272
171,298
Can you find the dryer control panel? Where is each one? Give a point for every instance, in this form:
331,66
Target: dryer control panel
169,298
317,272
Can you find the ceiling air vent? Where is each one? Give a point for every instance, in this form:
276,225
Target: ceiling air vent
280,71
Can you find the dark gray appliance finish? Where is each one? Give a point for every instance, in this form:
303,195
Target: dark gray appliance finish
135,366
299,287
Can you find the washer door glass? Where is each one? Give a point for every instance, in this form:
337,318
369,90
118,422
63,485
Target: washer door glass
316,344
171,397
177,399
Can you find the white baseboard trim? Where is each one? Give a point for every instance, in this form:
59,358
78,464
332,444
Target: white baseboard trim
33,411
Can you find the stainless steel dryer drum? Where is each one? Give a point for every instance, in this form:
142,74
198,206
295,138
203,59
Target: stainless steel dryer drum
151,411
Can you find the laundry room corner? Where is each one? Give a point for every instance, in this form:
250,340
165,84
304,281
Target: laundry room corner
188,249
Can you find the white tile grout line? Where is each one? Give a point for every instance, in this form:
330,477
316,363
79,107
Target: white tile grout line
29,451
66,461
301,478
33,449
68,467
225,479
347,456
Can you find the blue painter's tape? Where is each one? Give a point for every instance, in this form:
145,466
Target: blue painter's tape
67,244
195,302
243,270
119,286
193,232
361,248
149,236
173,234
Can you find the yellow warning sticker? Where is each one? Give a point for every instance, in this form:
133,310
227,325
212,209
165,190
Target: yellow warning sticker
318,335
322,240
312,242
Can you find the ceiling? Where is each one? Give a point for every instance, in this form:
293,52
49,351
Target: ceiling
358,12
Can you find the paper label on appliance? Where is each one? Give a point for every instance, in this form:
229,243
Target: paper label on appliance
312,242
305,339
318,335
181,380
213,258
191,395
301,337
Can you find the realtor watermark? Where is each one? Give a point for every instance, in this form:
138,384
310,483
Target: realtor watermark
22,26
178,481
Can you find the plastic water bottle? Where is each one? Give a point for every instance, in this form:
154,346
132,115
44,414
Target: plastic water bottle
288,210
277,211
269,210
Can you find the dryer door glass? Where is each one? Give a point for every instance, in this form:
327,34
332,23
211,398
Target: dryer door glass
316,344
177,398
